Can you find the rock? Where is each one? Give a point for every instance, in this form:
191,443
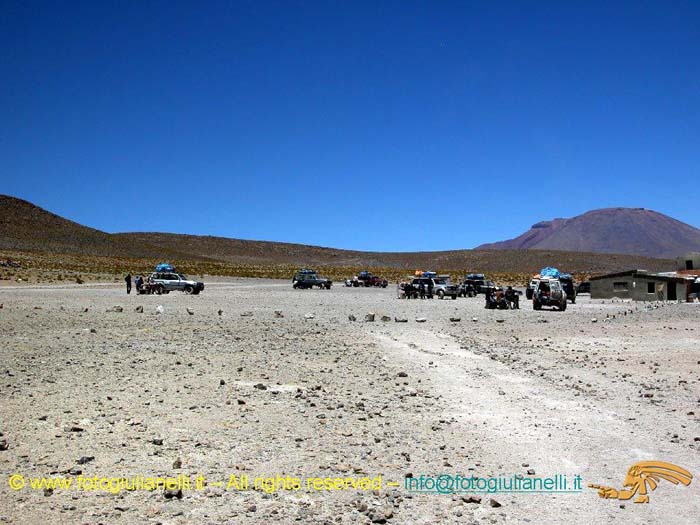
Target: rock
475,319
157,441
246,314
85,459
594,320
369,318
251,508
472,499
93,330
139,309
177,463
531,472
352,318
400,319
500,320
190,311
222,382
455,319
220,311
386,318
48,492
172,493
279,314
421,320
403,374
260,386
116,308
495,504
4,445
160,309
309,316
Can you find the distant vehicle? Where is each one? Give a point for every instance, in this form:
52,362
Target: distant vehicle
166,282
305,279
531,287
584,287
368,279
441,286
444,287
549,292
567,282
478,282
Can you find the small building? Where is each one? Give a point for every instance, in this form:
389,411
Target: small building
640,285
689,262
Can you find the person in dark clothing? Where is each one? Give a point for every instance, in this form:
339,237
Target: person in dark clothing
430,289
512,298
422,290
127,279
138,282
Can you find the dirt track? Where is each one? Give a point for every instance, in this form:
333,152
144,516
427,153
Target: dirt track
549,391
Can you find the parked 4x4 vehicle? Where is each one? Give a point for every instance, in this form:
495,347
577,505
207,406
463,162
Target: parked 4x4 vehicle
441,286
165,282
306,279
477,282
367,279
531,287
567,282
549,292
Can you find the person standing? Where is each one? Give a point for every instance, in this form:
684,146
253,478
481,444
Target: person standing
127,279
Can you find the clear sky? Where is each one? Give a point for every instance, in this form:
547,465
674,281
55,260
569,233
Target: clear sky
387,125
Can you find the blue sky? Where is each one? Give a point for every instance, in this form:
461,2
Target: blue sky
368,125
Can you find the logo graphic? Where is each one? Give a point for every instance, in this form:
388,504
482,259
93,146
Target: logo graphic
644,476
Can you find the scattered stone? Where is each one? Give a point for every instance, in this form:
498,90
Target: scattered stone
190,311
4,445
172,493
421,320
594,320
177,463
160,309
386,318
403,374
157,441
369,318
279,314
472,499
400,319
495,504
222,382
475,319
309,316
139,309
85,459
246,314
530,472
455,319
251,508
352,318
116,309
260,386
500,320
220,311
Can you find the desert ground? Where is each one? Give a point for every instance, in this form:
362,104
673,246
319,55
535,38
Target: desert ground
231,387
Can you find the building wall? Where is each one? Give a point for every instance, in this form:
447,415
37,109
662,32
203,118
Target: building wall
693,257
635,287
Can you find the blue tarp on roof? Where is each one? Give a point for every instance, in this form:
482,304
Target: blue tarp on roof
165,267
549,272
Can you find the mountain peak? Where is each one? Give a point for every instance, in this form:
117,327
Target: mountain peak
634,231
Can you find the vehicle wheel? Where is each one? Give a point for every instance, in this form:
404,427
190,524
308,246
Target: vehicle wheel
160,289
441,294
563,306
188,289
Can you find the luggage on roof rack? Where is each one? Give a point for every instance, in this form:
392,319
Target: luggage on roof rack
550,272
165,267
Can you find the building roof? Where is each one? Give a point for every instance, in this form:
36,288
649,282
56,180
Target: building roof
642,274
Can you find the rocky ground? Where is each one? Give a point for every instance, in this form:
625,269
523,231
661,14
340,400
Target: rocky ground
232,387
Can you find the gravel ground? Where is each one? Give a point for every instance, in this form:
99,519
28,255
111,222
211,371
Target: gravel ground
231,387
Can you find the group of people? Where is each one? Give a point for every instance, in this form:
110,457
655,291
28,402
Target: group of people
138,282
412,291
502,300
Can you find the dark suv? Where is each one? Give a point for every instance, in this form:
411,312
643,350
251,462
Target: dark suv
477,283
567,282
306,279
